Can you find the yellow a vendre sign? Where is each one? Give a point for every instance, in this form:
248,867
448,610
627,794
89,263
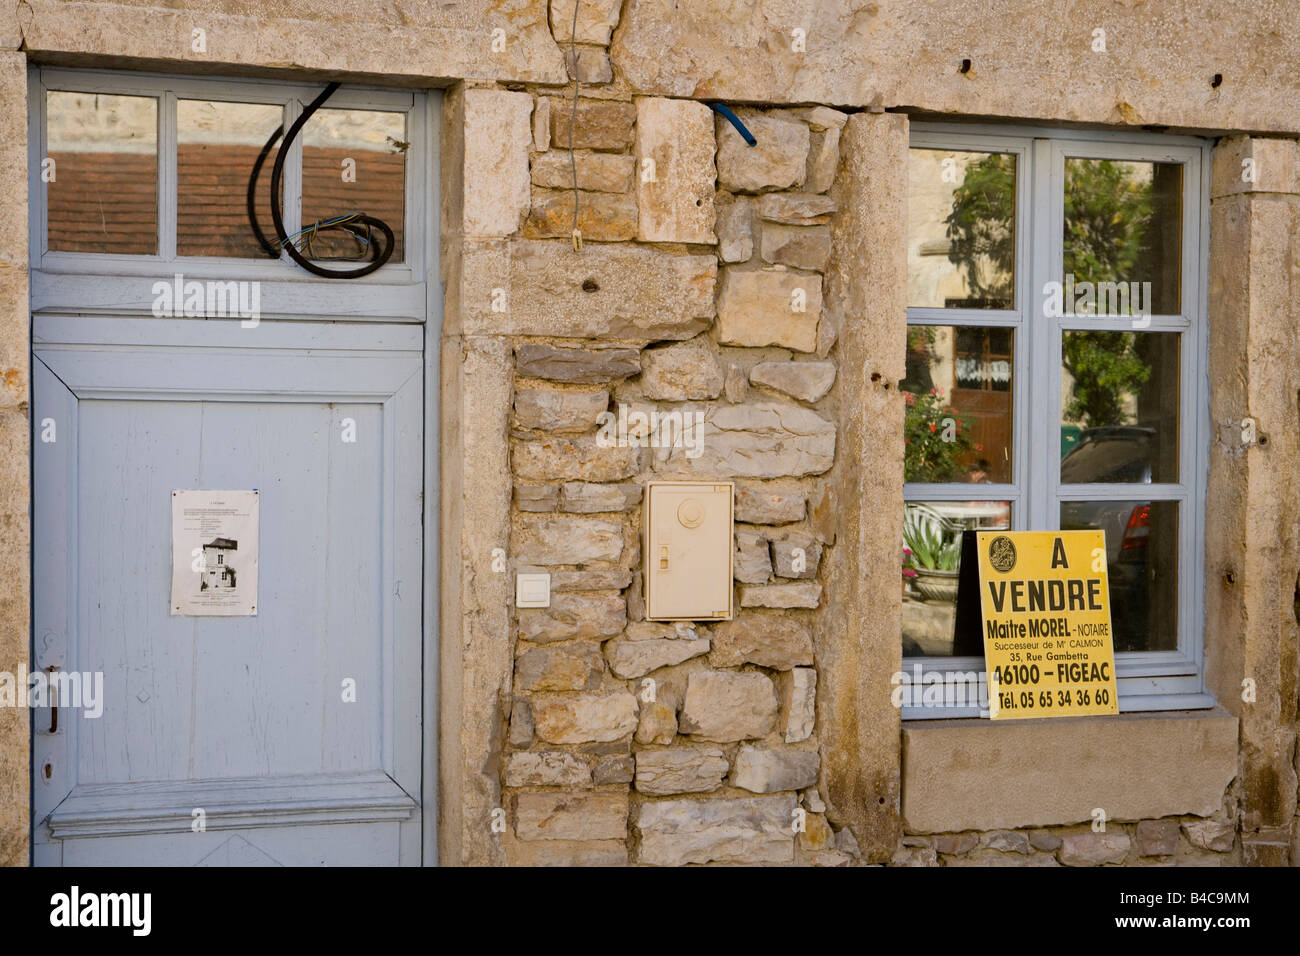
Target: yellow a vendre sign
1045,602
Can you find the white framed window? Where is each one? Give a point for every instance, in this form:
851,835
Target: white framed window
1056,378
138,178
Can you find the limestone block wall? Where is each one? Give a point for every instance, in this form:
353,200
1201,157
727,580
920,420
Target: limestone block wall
631,741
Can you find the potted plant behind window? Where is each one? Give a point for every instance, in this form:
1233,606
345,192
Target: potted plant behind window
935,553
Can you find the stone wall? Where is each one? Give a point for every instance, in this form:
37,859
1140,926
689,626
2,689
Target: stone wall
697,292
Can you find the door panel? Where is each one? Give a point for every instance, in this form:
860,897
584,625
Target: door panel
243,718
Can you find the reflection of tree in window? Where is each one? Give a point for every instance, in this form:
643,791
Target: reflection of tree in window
982,234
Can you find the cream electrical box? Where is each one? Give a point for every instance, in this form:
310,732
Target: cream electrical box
688,550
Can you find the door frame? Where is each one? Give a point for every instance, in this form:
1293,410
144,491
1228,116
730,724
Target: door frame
413,298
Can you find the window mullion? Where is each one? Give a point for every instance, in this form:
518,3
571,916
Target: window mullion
291,183
168,175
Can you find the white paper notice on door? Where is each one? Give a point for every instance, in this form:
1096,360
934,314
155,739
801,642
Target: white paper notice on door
214,553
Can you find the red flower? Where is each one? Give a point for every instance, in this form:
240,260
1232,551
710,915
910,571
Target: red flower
932,428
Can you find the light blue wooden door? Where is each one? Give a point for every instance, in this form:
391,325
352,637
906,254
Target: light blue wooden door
230,740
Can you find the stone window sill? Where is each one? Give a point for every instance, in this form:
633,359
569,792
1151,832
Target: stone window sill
978,775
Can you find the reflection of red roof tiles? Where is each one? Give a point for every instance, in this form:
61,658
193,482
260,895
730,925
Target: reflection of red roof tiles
107,202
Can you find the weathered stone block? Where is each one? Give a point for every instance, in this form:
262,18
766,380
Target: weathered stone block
547,541
568,853
495,180
778,161
796,555
611,580
521,723
604,291
955,844
686,371
799,704
733,386
629,659
735,228
802,594
769,771
579,459
658,722
584,718
796,209
757,440
800,247
769,307
574,615
553,410
823,160
1093,849
1006,841
1210,835
587,498
817,834
547,768
615,768
602,217
574,364
597,172
680,770
752,563
542,124
675,193
760,506
806,381
1157,838
596,20
537,497
566,667
601,124
723,706
763,638
748,830
571,816
591,66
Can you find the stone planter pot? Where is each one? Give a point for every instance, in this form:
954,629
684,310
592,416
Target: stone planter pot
934,585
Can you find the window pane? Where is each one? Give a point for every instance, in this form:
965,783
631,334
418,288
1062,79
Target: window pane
217,144
958,392
1123,224
1142,564
354,161
1119,407
931,552
961,235
103,196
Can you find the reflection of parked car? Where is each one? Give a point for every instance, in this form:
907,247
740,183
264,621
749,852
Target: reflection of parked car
1118,453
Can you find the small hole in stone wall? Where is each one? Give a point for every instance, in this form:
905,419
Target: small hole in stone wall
1263,439
875,376
589,285
882,801
1230,577
965,66
1217,81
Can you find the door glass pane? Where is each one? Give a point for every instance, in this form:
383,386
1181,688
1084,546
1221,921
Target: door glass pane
217,145
1142,565
102,189
958,391
353,161
961,229
931,561
1123,237
1119,407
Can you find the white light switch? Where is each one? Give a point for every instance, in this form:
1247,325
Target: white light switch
532,590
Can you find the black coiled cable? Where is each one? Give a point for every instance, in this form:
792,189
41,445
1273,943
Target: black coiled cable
360,226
